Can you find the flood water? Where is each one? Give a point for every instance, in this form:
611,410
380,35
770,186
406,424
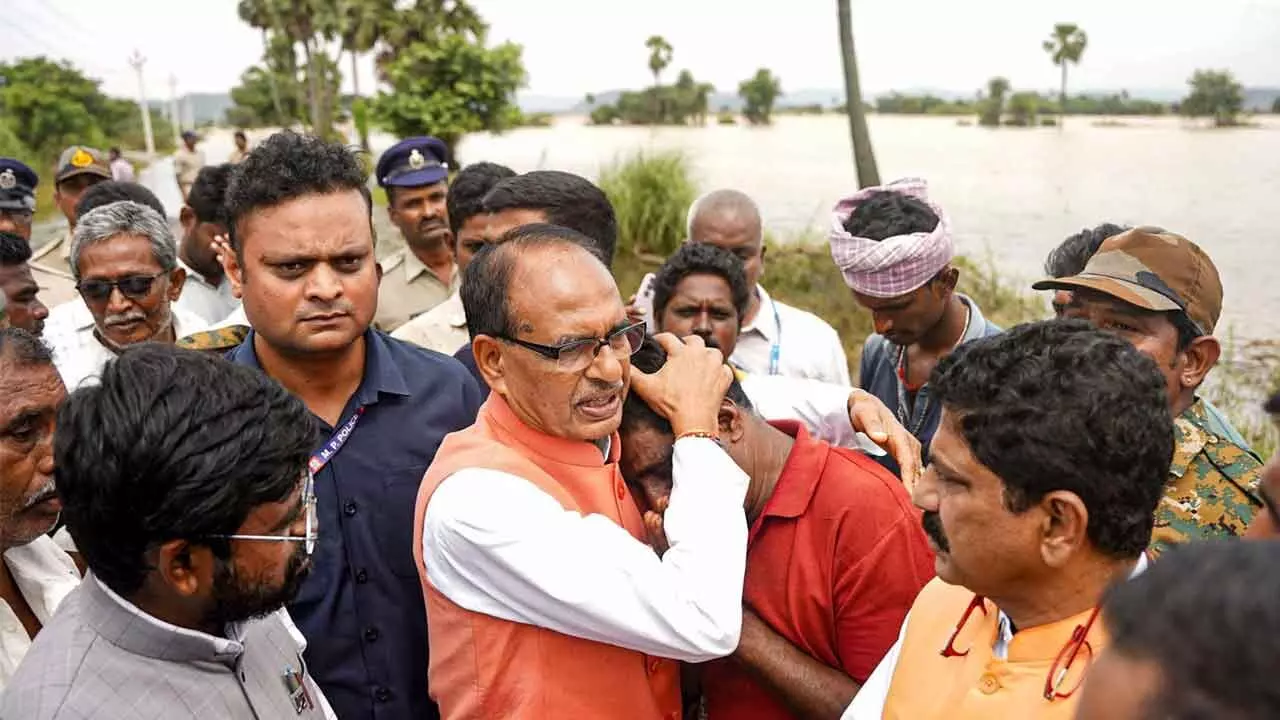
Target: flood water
1012,194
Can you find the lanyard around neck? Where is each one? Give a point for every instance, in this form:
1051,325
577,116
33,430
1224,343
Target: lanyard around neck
339,438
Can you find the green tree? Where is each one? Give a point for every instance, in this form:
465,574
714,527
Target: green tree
273,93
363,22
991,107
659,56
1023,108
1214,94
758,95
1065,45
1275,106
451,87
864,157
49,104
427,21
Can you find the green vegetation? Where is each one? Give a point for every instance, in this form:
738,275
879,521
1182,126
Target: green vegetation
46,105
991,107
651,194
1275,106
896,103
1215,94
1065,46
683,103
759,93
1120,103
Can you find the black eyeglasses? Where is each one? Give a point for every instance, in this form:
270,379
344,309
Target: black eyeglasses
577,355
134,287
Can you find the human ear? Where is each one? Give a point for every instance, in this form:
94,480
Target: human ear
1064,528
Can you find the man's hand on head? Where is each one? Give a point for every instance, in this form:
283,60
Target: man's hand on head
871,417
688,390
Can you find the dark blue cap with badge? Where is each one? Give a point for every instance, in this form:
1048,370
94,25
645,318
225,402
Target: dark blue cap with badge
17,186
413,162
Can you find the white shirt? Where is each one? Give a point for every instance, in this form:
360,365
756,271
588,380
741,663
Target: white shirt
122,170
821,407
868,704
77,353
212,303
237,317
45,575
527,559
443,328
807,346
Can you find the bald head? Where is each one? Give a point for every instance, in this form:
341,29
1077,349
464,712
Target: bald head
730,220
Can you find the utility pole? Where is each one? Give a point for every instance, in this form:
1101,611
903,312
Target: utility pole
174,121
137,61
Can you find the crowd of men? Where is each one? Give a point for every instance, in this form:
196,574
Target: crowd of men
251,468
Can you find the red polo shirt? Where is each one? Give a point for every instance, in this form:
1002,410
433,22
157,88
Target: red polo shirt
833,564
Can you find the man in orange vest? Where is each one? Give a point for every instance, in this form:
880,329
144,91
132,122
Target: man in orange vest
1046,470
545,599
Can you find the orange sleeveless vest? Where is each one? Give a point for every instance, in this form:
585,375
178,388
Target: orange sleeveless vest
927,685
485,667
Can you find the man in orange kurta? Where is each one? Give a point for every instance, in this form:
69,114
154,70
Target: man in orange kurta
544,598
1046,470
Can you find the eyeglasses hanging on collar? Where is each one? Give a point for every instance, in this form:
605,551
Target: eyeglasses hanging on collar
1067,656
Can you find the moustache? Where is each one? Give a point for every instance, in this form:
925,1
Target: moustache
338,308
48,491
599,390
932,524
124,318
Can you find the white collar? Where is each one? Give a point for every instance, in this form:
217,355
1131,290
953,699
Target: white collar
44,574
766,320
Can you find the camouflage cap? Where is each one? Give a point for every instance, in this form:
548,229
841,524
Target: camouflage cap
1153,269
81,160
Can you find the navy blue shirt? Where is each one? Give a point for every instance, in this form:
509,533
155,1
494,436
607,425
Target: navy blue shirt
361,608
468,360
878,375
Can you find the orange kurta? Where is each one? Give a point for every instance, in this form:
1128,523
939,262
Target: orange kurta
979,686
486,667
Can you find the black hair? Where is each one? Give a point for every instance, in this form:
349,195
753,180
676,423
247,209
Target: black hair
14,249
114,149
24,349
1070,257
886,214
208,193
466,193
1272,405
1206,615
173,444
486,282
636,413
697,258
567,200
1187,329
1060,405
114,191
240,134
287,166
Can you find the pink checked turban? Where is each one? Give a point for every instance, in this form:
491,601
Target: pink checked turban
895,265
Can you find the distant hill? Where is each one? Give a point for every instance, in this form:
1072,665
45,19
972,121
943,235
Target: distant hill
1260,99
199,108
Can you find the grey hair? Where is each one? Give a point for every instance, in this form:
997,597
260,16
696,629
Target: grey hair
124,218
726,202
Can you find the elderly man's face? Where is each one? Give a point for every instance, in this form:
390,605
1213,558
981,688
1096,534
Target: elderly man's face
29,400
559,295
979,542
702,304
127,291
734,233
307,272
22,298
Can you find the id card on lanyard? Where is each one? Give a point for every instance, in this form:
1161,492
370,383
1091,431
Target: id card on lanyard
775,352
339,438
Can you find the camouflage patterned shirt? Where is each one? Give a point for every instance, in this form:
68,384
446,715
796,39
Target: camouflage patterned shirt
219,341
1213,485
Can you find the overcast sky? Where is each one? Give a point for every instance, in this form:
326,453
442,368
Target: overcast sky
575,46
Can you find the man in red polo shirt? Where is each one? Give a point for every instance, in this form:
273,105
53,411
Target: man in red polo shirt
835,557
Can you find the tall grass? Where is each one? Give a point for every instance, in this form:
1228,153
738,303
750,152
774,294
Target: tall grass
651,194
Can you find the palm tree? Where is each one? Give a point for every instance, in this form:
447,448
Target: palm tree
659,55
258,14
864,158
1065,45
362,24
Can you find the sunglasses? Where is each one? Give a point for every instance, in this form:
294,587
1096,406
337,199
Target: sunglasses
310,522
134,287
